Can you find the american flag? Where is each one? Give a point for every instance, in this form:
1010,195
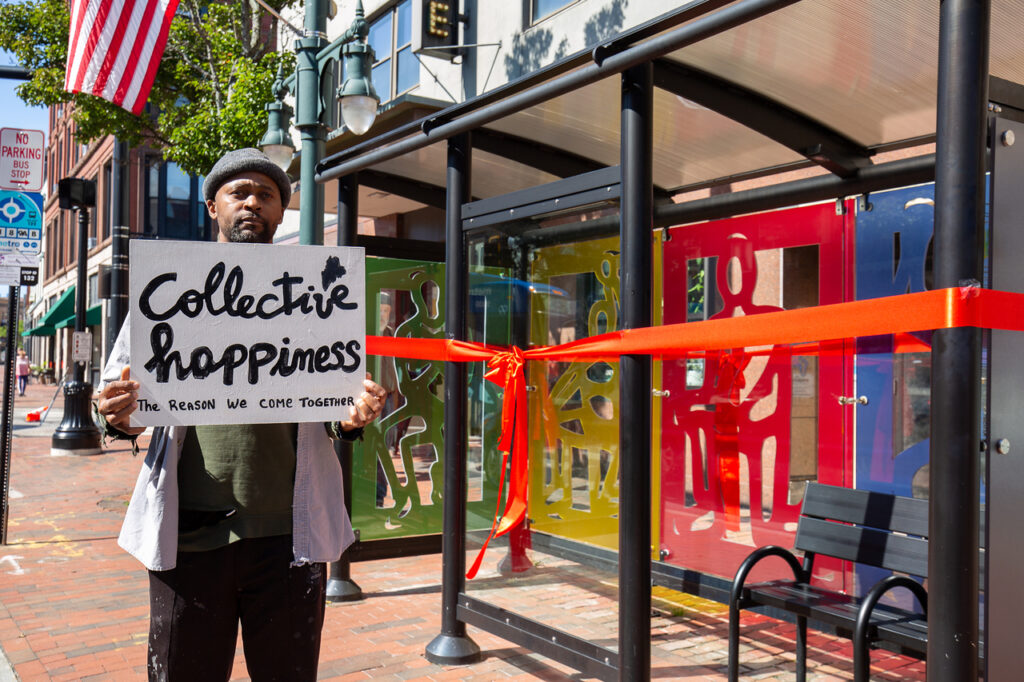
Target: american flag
115,46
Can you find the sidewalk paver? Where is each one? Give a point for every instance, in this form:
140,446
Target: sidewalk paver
73,606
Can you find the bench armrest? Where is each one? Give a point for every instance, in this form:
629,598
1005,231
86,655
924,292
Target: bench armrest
754,557
877,591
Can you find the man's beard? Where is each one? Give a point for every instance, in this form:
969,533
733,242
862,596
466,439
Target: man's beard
244,234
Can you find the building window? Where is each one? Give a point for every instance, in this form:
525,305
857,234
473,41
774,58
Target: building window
175,208
540,9
92,217
396,70
61,241
51,239
108,206
71,229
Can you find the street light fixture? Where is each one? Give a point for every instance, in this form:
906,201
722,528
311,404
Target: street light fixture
357,96
277,141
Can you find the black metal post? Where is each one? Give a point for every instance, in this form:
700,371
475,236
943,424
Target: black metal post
77,433
117,306
453,646
7,420
953,643
635,376
340,586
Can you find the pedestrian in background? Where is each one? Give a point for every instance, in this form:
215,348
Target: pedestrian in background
22,369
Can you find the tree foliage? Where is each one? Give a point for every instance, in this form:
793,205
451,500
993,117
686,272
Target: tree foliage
209,91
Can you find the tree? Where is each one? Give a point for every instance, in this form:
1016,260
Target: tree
209,91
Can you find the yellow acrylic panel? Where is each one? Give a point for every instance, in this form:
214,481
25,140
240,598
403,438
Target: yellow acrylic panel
574,428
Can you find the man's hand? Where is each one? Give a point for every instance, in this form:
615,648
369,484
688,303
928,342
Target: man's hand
368,406
118,400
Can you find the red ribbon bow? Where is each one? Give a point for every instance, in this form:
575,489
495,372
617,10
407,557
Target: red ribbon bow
506,370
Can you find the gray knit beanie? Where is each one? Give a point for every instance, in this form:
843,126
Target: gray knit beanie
240,161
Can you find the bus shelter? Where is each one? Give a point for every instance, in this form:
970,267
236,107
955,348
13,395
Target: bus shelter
573,207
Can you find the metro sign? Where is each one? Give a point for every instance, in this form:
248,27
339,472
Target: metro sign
21,159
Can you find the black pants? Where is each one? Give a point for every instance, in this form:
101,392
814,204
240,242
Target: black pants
195,609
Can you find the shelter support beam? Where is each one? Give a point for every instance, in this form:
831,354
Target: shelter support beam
871,179
823,145
637,216
340,586
423,192
453,646
956,353
533,154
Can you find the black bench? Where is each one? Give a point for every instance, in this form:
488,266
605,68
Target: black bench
874,529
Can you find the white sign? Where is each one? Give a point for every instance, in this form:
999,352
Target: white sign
81,346
246,333
11,264
21,159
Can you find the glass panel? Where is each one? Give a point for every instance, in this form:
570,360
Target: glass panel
379,37
748,426
202,215
398,466
403,35
153,196
586,122
408,70
178,206
912,381
382,80
559,293
893,256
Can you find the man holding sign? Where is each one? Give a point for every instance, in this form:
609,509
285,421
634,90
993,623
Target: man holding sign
234,513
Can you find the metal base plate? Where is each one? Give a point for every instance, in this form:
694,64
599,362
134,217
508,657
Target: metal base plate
62,452
343,590
452,650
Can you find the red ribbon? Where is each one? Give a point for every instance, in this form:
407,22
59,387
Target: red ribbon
506,370
810,331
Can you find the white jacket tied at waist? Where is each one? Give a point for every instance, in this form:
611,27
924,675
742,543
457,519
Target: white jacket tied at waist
321,529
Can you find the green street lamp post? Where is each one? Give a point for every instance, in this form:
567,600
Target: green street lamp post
358,101
357,97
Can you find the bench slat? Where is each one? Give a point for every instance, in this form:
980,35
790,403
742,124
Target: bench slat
840,610
870,546
866,508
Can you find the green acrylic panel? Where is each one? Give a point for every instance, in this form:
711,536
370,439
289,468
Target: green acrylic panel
398,467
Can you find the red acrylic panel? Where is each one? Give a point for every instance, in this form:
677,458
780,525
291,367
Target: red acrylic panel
742,431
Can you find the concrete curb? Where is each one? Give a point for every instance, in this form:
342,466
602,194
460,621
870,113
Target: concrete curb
7,673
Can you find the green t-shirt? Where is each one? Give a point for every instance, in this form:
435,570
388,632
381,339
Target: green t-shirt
235,481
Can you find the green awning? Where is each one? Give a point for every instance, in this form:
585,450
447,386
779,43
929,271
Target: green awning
64,306
40,330
93,316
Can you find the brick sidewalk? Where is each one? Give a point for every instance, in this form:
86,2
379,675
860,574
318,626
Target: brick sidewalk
73,606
